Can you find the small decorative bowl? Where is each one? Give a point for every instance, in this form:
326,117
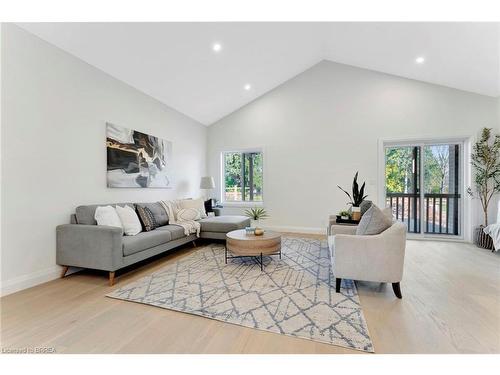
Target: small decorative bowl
259,231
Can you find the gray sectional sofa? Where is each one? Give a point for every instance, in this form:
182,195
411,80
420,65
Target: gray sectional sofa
85,244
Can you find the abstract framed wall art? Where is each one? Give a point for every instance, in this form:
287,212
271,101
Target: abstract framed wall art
135,159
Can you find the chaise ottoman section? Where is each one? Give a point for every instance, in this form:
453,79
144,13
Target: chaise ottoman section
216,227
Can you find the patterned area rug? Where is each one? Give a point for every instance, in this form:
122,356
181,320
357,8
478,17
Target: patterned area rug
294,296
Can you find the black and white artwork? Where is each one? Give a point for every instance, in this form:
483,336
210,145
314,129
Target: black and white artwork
136,159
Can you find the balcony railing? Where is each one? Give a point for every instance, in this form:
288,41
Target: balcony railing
440,210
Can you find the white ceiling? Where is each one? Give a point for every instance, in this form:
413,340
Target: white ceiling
175,63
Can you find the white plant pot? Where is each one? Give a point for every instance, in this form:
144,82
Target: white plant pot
255,223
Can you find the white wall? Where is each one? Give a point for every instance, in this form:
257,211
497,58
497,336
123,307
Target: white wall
498,113
320,127
54,109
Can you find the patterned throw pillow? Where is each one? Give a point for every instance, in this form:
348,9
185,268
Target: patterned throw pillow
147,218
185,214
198,204
158,212
374,221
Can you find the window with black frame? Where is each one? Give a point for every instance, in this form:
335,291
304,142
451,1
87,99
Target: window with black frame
242,176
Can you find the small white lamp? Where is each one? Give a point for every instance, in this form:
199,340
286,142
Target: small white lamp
207,183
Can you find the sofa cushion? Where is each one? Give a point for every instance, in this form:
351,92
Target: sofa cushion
224,224
175,231
158,212
85,214
145,240
374,221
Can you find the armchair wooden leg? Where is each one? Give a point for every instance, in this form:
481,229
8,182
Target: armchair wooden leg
64,270
111,278
397,290
338,281
193,243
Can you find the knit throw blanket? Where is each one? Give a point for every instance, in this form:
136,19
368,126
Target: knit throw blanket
494,231
190,226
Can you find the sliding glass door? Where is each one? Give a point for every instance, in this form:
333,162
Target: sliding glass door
423,185
402,184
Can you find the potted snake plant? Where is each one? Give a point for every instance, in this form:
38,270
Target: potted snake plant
357,197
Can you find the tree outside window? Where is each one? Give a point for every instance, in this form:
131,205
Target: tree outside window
243,176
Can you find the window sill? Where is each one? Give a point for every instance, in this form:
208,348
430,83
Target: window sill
242,204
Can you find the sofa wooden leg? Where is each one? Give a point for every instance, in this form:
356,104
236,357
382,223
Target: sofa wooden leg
397,290
111,278
64,270
194,243
338,281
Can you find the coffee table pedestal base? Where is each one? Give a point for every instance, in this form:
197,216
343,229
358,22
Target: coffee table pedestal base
258,257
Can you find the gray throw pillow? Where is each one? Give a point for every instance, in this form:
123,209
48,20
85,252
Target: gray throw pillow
374,221
364,206
159,213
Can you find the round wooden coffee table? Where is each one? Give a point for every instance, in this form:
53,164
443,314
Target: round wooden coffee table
250,245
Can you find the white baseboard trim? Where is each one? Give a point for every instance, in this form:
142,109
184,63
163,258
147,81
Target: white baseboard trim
27,281
306,230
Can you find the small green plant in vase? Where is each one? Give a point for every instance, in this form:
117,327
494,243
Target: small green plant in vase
344,215
256,214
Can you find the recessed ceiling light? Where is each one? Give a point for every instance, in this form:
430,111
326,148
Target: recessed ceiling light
420,60
217,47
247,87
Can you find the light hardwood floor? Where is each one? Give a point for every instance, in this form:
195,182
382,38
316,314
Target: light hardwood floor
451,304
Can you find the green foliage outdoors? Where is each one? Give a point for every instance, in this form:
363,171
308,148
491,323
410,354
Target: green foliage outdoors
485,160
399,170
233,176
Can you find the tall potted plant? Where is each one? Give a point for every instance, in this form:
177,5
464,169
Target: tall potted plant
357,197
485,161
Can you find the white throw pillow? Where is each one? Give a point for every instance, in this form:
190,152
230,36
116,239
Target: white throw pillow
198,204
130,220
185,214
106,215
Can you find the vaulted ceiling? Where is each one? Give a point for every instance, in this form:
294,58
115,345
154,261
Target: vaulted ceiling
176,62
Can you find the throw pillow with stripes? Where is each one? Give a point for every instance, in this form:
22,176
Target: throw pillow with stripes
147,218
